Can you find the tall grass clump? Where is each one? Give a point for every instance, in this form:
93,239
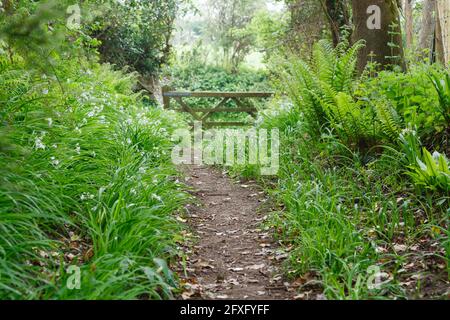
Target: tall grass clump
86,181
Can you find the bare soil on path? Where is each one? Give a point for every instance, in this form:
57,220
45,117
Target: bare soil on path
233,255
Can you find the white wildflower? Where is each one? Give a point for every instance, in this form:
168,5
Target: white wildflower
55,162
86,196
407,131
144,121
102,120
45,91
38,144
142,170
50,122
422,165
77,148
102,190
95,111
156,197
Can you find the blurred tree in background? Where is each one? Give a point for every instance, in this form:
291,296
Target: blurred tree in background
135,33
228,28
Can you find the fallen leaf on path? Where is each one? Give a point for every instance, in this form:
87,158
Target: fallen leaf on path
299,296
203,265
180,219
256,266
400,247
236,269
233,282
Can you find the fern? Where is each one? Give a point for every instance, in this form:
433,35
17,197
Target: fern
346,67
324,59
313,86
389,120
347,118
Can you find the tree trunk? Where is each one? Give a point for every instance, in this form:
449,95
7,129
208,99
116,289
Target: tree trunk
427,28
378,23
337,13
409,21
443,31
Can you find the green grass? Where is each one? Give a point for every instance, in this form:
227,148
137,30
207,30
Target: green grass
86,180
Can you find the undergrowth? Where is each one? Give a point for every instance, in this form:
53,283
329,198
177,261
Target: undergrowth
363,209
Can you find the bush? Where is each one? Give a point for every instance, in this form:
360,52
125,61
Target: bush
134,34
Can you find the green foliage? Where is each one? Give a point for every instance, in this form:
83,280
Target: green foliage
190,75
322,91
269,29
228,27
431,171
389,119
442,86
134,34
410,100
86,177
352,123
197,77
93,162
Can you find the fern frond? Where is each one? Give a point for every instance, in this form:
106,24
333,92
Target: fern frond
389,120
324,59
346,68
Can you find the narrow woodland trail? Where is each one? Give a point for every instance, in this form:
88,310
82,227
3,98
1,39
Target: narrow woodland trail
232,257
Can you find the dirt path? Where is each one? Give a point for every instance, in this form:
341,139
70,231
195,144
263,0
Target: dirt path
232,257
